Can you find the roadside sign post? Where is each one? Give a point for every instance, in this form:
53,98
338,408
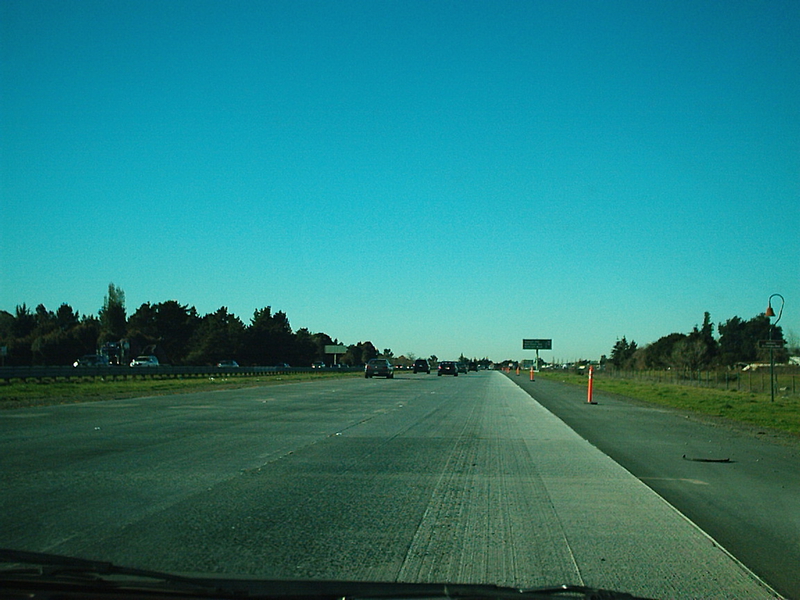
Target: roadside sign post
772,345
537,344
335,350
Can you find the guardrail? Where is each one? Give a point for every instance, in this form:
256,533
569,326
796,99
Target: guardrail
160,372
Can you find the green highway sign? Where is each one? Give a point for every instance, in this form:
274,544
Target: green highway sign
537,344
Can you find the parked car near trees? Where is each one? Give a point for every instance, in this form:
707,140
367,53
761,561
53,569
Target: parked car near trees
144,361
91,360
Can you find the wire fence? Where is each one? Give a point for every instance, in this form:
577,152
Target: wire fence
787,380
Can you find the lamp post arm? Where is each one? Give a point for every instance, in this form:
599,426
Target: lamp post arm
780,312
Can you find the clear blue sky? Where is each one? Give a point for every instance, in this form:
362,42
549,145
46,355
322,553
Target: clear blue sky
436,177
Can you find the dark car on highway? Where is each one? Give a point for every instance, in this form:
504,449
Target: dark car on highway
421,365
447,367
380,367
91,360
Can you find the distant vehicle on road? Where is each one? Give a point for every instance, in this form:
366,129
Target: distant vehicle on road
232,364
447,367
379,367
144,361
473,366
421,365
318,365
91,360
462,368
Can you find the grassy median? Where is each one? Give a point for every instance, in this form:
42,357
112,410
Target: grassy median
19,394
744,407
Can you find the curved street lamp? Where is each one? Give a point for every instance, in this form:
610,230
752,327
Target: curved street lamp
769,314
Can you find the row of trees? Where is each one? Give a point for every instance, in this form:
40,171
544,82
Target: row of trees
175,333
737,343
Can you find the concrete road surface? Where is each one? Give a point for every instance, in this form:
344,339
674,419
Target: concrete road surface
418,478
739,484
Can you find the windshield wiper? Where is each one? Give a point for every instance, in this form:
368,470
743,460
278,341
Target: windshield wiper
81,571
79,574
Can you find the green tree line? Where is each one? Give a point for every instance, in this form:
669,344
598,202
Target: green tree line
736,343
174,332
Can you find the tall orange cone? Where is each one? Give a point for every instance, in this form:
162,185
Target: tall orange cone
591,380
531,373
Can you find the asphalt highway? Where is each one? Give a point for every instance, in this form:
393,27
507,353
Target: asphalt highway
739,484
417,478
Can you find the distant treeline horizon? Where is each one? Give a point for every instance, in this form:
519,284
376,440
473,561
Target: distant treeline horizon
178,335
173,332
